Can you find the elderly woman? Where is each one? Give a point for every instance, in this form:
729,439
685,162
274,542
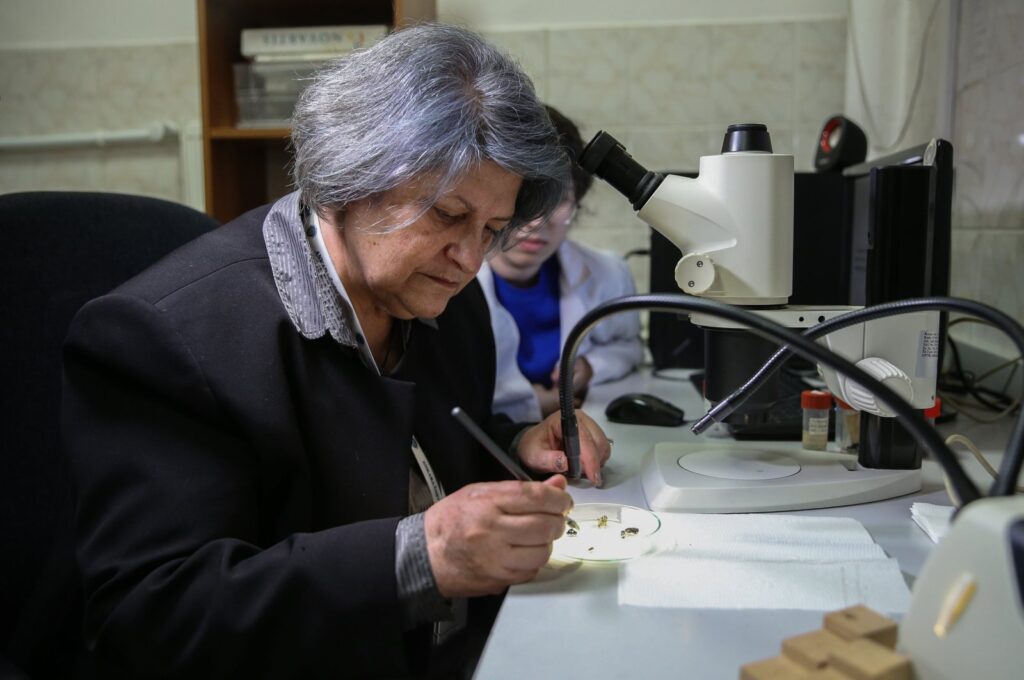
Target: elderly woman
268,479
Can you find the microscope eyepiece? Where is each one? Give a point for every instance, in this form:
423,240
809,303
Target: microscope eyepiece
747,137
605,157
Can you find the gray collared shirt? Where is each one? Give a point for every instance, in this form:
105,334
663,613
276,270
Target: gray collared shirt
317,304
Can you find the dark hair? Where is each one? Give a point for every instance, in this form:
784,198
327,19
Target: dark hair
572,143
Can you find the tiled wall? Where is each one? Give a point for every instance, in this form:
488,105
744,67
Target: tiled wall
988,148
668,93
47,91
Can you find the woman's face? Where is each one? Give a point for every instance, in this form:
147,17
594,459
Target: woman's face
414,271
541,238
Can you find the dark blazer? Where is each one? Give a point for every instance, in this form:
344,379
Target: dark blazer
238,486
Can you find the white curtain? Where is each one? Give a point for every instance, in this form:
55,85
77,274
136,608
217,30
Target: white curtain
900,70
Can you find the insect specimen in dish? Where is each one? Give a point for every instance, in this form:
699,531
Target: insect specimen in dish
572,524
570,532
629,531
602,522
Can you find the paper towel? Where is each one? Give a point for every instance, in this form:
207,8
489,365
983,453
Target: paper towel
764,562
933,519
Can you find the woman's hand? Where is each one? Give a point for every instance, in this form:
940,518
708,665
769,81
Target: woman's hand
541,448
485,537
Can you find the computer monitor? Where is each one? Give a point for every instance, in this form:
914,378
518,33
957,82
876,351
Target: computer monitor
900,211
900,234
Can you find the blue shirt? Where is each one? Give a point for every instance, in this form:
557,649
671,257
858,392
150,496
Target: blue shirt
536,312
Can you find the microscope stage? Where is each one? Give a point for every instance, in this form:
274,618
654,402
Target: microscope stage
724,477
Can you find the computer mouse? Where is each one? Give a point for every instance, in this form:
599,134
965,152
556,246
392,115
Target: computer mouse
637,408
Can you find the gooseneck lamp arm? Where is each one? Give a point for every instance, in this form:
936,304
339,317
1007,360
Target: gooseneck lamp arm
1010,468
912,420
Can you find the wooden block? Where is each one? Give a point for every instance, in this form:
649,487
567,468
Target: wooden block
860,622
826,673
775,668
864,659
811,650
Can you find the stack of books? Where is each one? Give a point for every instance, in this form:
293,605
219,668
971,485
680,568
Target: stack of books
280,63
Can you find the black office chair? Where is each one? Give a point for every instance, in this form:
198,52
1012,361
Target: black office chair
58,250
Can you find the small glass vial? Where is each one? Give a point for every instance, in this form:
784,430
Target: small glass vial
816,404
847,427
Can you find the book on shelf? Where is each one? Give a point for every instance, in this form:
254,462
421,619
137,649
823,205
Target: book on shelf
307,43
319,57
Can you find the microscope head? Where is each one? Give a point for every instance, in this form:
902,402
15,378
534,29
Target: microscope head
733,223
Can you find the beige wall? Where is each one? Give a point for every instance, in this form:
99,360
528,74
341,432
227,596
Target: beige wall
95,23
988,147
504,15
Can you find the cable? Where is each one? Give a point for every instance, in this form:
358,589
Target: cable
971,384
727,406
967,409
978,455
968,383
911,418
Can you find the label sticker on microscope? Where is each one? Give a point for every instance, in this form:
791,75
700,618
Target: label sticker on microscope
927,355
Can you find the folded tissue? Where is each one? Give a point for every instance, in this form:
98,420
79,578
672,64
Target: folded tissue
764,562
933,519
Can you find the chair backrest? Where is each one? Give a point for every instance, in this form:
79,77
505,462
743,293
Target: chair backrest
58,250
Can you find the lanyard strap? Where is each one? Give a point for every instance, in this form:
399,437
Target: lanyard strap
433,485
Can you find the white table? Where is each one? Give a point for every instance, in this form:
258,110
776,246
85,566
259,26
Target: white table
568,624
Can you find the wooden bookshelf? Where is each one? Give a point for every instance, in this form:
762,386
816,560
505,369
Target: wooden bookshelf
244,167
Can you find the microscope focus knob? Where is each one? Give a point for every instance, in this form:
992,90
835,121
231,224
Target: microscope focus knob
695,273
889,375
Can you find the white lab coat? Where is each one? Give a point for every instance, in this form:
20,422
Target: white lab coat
613,348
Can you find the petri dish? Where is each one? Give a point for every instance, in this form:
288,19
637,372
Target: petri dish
608,532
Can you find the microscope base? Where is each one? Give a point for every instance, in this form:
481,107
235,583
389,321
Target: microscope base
725,477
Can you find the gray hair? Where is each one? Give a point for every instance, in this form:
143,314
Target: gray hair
431,101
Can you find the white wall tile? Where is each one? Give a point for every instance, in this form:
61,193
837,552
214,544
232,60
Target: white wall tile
1004,164
820,70
988,148
971,141
49,91
529,48
587,75
1006,18
149,171
753,73
673,148
989,152
140,85
974,41
58,89
669,76
987,266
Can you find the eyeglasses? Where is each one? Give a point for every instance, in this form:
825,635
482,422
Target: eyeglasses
563,215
